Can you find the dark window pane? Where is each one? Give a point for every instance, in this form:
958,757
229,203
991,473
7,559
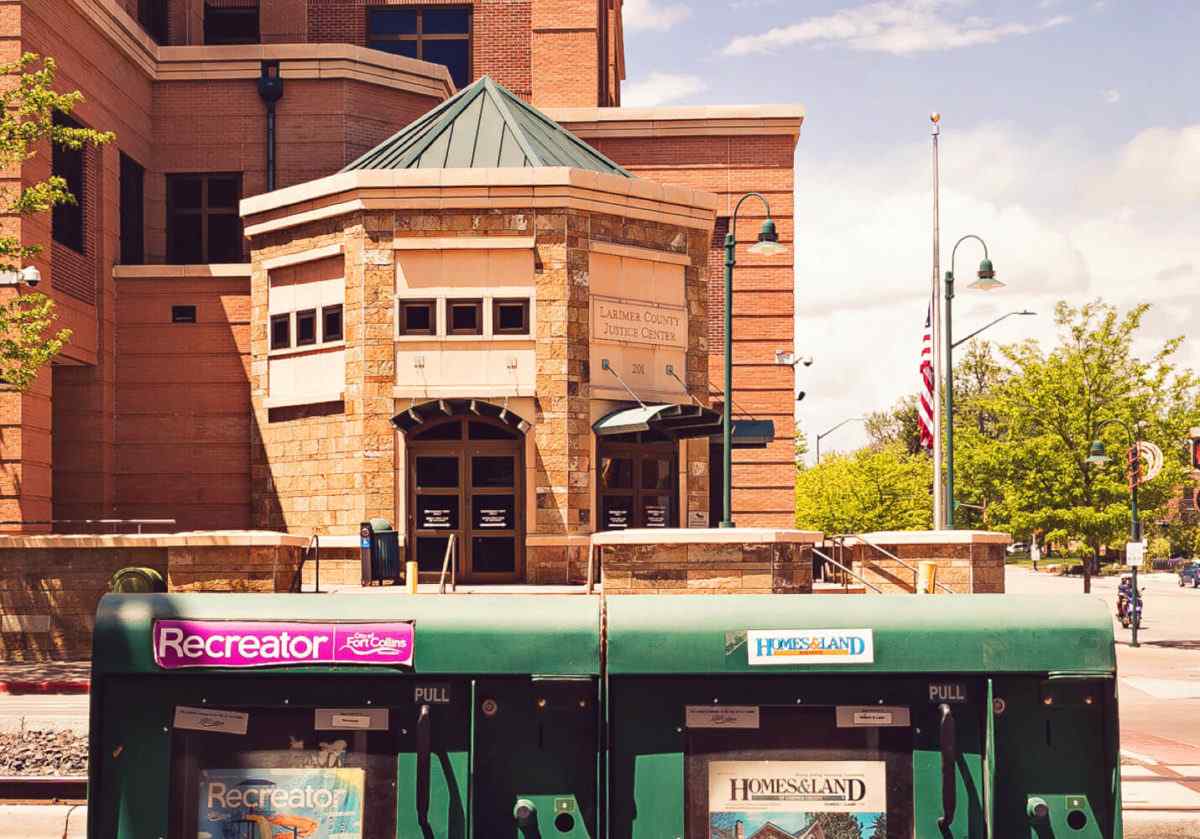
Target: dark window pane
230,24
133,178
511,317
493,512
152,15
493,554
442,431
223,192
392,22
183,192
281,332
487,431
183,314
465,317
437,512
656,511
493,471
416,319
67,219
184,245
656,473
306,327
456,55
431,550
331,328
408,48
446,22
224,238
616,473
440,472
617,512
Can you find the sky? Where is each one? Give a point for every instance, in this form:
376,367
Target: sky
1070,142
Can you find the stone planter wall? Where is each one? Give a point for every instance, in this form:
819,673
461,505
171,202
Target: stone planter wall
968,561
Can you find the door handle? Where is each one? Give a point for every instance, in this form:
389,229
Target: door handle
946,737
424,730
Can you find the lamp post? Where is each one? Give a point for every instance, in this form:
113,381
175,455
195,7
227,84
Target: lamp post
835,428
1097,456
767,245
986,282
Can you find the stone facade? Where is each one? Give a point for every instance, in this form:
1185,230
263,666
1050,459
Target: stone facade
967,561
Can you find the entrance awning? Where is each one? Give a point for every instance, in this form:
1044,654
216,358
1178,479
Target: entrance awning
682,421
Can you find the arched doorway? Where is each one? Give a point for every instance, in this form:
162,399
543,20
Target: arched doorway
465,476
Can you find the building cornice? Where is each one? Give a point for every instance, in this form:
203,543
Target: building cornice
450,189
700,121
297,61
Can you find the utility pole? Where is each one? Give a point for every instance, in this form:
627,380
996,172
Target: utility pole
939,494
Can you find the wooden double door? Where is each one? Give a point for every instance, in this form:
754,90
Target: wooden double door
637,484
465,478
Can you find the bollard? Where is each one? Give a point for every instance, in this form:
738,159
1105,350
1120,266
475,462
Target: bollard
926,577
410,577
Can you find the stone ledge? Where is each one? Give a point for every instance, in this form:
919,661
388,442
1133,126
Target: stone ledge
193,539
930,537
748,536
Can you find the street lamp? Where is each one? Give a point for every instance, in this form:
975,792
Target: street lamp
1098,457
835,428
985,281
767,245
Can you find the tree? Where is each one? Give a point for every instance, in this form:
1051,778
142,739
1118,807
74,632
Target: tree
875,488
1032,465
898,425
839,825
801,446
29,107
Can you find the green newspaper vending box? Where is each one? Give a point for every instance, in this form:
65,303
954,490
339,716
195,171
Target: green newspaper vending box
344,717
824,717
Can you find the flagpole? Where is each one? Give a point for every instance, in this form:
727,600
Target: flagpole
939,511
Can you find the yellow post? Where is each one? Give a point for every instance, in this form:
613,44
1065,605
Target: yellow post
410,577
926,577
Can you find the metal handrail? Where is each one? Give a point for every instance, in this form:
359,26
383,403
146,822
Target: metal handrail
451,560
314,544
828,558
840,539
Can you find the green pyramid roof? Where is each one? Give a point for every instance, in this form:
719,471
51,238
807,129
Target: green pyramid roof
484,126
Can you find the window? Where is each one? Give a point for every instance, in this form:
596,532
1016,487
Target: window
183,314
440,35
331,323
231,22
510,317
133,179
464,317
152,15
306,327
67,220
417,317
203,224
281,332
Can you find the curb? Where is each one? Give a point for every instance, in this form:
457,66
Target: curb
47,686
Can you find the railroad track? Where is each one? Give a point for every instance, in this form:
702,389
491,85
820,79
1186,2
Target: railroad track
24,789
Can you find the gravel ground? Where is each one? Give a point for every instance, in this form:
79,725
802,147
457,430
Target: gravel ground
43,753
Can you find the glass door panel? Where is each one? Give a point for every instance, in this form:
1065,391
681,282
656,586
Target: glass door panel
495,526
437,471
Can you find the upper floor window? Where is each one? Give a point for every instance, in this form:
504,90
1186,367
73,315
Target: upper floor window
152,15
231,22
67,219
438,34
203,224
133,180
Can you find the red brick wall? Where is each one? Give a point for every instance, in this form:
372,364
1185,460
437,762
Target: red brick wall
763,305
500,33
183,401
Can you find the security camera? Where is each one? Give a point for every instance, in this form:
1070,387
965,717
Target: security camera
807,361
31,276
800,396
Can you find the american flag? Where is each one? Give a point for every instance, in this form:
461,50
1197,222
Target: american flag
925,400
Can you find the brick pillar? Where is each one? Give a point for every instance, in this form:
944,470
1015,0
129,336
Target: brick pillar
25,455
378,371
565,53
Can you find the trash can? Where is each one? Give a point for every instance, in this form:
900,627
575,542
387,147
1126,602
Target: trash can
136,581
379,544
904,717
370,717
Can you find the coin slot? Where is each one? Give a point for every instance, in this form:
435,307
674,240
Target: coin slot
564,822
1077,820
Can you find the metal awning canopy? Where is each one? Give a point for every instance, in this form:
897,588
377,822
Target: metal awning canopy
683,421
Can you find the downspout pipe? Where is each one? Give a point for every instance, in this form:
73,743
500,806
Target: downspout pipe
270,90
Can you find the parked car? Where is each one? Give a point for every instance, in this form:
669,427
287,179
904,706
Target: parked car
1189,574
1018,548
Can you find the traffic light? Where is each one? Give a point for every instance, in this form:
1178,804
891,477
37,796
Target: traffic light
1134,464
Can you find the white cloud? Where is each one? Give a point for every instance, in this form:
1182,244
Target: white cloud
1061,222
1112,96
660,89
899,27
652,14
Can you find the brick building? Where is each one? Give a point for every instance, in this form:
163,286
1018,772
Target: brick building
232,118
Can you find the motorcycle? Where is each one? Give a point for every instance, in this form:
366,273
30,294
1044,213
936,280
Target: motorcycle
1124,596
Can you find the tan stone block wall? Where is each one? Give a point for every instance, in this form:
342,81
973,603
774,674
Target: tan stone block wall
776,568
961,567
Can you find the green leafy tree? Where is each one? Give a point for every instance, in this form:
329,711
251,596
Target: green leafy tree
27,122
801,445
1030,468
896,426
875,488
